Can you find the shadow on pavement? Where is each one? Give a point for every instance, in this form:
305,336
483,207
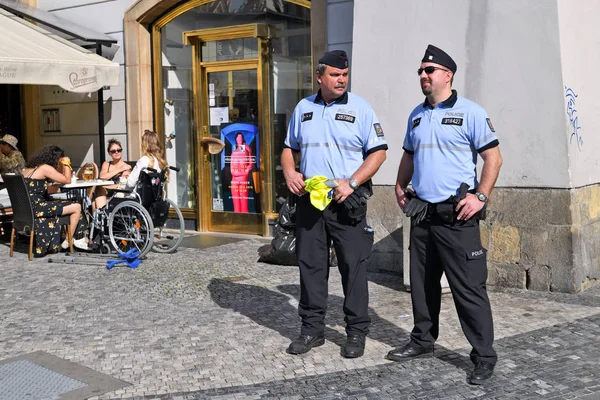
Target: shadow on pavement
277,310
388,279
381,329
265,307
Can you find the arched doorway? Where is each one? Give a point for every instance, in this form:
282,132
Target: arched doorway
221,68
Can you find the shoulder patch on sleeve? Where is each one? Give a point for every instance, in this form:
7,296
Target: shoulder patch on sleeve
378,130
489,121
416,122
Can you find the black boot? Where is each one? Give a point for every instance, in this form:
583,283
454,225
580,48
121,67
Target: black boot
354,347
408,352
482,372
304,343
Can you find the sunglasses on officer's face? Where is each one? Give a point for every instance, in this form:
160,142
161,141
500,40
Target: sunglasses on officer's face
429,70
115,151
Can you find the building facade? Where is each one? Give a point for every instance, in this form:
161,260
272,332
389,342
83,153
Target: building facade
526,63
233,70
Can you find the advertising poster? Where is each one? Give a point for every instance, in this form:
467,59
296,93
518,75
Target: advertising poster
239,168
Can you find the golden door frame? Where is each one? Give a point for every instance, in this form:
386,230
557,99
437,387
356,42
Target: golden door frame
142,15
228,221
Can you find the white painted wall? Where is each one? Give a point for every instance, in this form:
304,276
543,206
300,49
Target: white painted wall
509,61
79,112
580,41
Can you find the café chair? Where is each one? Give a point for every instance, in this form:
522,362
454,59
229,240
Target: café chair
24,221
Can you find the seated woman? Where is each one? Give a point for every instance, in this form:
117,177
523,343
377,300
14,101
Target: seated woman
41,168
152,157
115,170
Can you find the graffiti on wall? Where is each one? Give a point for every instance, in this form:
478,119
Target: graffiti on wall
573,118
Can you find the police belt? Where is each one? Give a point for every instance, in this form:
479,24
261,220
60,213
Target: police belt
446,210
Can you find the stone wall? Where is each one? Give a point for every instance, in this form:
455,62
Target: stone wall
537,239
385,218
543,239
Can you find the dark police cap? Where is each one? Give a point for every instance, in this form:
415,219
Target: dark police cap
336,58
439,56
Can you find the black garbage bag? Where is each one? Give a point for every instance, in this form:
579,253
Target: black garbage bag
287,214
282,250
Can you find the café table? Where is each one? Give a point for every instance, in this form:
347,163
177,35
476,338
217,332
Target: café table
76,190
82,184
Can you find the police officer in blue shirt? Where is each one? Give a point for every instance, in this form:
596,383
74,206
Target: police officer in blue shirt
444,136
335,134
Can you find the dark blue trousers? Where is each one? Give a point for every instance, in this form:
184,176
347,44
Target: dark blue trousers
454,248
353,244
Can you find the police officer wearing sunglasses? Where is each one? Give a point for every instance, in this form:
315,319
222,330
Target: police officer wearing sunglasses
336,135
444,137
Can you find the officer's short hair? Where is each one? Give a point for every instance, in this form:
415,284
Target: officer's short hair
321,69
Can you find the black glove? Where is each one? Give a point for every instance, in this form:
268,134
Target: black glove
355,205
358,198
416,209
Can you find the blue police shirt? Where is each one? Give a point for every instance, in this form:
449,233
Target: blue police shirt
335,138
445,141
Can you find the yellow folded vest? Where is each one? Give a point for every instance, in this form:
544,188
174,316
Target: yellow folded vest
320,191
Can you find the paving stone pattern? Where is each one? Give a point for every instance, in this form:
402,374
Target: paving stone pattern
214,323
24,378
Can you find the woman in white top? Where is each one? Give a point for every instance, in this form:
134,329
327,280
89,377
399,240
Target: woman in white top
152,157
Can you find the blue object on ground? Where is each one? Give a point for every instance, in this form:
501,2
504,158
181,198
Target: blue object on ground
130,258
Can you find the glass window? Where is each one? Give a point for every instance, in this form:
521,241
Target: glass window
178,114
232,49
233,119
291,80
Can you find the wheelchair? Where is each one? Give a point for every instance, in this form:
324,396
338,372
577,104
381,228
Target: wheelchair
139,218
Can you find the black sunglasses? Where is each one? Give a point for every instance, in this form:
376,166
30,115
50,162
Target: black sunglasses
115,151
429,70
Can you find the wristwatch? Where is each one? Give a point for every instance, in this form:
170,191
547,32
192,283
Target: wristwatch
482,197
353,183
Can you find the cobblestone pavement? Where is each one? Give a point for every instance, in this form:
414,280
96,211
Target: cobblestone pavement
214,323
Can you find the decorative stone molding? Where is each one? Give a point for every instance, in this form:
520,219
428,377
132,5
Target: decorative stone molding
138,68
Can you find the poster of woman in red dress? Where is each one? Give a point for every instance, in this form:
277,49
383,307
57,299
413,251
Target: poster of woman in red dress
241,165
239,168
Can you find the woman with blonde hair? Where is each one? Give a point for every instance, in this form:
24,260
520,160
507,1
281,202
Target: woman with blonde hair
152,157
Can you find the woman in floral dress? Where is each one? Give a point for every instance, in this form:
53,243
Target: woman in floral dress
42,167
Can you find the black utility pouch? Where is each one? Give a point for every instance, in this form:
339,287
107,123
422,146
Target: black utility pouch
482,214
445,211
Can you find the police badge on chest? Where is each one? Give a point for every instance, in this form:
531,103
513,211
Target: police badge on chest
345,118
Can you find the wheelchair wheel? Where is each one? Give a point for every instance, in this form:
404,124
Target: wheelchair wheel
130,227
168,237
105,249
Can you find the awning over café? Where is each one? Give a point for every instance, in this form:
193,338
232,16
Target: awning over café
34,56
